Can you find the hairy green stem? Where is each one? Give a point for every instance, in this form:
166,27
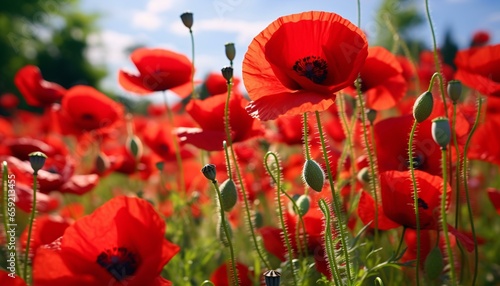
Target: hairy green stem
466,189
277,180
194,94
306,134
180,168
329,244
338,211
226,233
30,228
444,220
240,179
457,167
415,199
371,160
436,57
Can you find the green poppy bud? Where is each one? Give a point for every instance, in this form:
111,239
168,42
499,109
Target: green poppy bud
102,163
434,264
441,131
134,146
364,175
303,203
209,171
258,220
227,73
422,108
313,175
37,160
187,19
371,115
229,195
454,90
160,165
221,234
230,51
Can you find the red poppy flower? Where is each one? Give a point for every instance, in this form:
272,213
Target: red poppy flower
314,227
220,276
366,212
480,38
494,196
391,137
46,229
382,80
299,61
397,198
216,84
9,101
24,200
158,138
209,114
7,278
85,109
485,146
36,90
426,68
159,70
477,68
121,243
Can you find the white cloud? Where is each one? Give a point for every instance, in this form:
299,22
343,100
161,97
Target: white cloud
146,20
158,6
109,47
245,30
150,19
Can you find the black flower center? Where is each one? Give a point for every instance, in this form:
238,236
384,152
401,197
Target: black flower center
418,162
119,262
88,116
422,204
312,67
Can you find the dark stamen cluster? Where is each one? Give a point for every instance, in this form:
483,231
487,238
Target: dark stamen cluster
312,67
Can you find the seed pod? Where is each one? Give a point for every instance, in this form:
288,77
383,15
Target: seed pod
454,90
441,131
230,51
434,263
227,73
371,115
37,160
229,195
422,108
313,175
187,19
209,171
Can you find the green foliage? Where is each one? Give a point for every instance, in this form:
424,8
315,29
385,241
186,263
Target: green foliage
403,16
50,34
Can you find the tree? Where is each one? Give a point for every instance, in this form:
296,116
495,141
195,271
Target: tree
50,34
399,16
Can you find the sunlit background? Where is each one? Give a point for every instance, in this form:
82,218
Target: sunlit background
110,30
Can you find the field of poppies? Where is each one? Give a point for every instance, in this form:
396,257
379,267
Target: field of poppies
342,163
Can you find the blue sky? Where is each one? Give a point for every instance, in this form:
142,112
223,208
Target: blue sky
156,23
